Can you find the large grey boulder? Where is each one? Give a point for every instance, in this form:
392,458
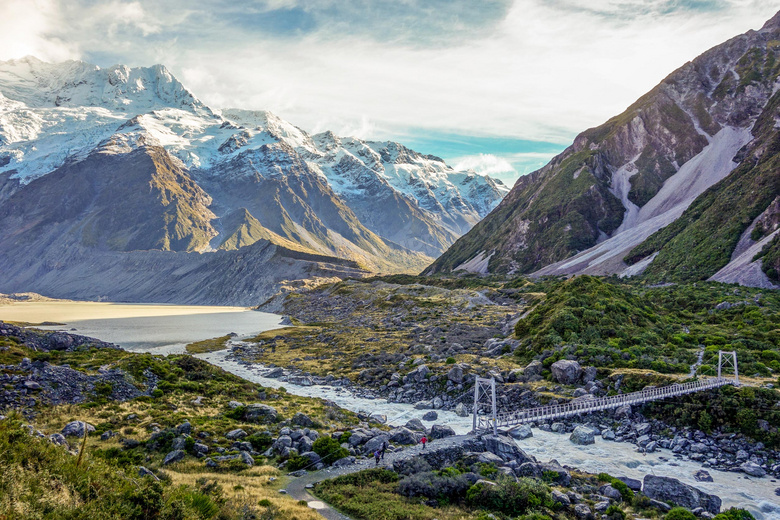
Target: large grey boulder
260,413
521,432
439,431
752,469
566,372
76,429
582,435
667,489
456,374
375,443
506,448
246,458
415,425
430,416
534,368
235,434
461,410
404,435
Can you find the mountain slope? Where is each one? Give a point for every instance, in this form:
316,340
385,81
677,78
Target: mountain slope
597,203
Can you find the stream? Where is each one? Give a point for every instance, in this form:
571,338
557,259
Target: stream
757,495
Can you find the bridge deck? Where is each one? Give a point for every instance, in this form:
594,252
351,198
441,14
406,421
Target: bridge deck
560,411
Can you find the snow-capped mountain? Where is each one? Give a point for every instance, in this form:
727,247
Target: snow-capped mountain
209,180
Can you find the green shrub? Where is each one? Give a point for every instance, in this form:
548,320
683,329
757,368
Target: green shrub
157,393
260,441
329,449
510,497
450,361
735,514
614,512
679,513
296,462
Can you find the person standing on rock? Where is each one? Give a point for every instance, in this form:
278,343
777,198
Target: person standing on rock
424,441
384,449
376,456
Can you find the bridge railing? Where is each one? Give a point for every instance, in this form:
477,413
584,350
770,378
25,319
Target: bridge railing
603,403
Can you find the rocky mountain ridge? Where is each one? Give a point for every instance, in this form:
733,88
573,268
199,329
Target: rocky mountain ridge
98,164
654,190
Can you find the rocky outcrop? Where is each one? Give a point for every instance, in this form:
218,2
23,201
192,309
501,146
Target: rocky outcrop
582,435
667,489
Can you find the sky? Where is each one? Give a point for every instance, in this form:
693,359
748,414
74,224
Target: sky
499,86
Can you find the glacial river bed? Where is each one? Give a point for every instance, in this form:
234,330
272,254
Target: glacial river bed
163,329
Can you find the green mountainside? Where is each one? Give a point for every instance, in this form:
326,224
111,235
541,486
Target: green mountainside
608,182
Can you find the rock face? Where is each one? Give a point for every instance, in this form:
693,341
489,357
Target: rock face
668,489
604,205
566,372
582,435
521,432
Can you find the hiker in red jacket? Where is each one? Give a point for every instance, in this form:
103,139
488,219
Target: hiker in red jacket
424,440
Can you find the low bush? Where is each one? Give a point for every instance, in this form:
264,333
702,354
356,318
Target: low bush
510,497
431,484
679,513
329,449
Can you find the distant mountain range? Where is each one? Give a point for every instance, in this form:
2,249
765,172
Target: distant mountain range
120,184
682,186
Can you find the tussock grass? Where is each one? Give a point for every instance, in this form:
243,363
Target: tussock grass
208,345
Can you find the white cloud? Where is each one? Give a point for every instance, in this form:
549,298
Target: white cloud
485,164
543,70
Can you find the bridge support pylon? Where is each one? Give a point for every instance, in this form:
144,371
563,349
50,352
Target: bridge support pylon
726,359
484,393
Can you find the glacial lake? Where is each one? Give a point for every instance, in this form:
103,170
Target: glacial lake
156,328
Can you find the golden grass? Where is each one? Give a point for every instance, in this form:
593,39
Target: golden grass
249,486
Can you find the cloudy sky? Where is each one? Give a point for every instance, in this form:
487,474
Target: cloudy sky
496,85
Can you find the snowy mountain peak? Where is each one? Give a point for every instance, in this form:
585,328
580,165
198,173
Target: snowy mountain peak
77,84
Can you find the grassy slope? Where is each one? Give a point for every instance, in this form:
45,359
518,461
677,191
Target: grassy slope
39,480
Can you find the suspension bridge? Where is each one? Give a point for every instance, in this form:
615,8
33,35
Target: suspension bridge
485,398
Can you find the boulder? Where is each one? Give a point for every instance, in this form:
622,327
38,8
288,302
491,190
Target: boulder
752,469
561,498
358,438
173,456
415,425
702,476
375,443
246,458
456,374
184,427
404,435
439,431
566,371
235,434
58,439
461,410
608,435
563,477
582,435
611,493
506,448
302,420
667,489
534,368
623,412
76,429
430,416
423,405
260,413
234,404
521,432
275,372
589,374
583,512
632,483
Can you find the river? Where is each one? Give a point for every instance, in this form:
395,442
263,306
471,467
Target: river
162,329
